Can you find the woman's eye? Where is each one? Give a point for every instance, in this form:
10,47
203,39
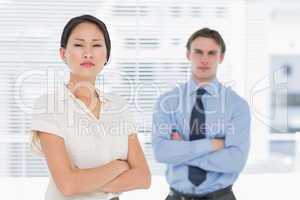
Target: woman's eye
77,45
97,45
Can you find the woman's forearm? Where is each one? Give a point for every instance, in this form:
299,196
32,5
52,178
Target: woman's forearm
137,178
90,180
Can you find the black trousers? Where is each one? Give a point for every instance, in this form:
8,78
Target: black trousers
226,196
229,196
115,198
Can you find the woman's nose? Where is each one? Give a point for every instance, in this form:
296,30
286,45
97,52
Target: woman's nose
87,54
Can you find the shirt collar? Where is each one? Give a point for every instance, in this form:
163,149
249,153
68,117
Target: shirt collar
211,87
68,94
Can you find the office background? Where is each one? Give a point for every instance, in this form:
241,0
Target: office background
148,58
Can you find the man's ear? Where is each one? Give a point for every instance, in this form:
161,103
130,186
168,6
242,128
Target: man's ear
221,58
62,53
188,54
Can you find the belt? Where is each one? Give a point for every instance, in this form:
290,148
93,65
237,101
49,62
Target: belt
115,198
211,195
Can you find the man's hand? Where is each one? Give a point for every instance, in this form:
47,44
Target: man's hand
218,144
176,136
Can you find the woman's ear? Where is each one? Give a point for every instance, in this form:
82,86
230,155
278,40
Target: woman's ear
62,53
106,62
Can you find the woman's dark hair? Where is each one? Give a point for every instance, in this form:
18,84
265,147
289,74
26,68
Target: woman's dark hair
207,33
72,23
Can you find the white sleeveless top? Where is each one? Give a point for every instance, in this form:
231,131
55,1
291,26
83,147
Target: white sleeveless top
89,142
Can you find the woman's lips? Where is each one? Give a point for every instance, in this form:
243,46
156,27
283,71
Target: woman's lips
87,65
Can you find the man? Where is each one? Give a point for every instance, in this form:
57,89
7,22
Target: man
201,128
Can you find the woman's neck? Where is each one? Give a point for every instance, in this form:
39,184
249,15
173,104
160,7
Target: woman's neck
82,87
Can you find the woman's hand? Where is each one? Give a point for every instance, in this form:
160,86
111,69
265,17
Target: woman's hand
122,165
74,167
137,175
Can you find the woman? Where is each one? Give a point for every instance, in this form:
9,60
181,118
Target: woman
88,139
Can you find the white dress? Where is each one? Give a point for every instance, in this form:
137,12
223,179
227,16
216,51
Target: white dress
89,142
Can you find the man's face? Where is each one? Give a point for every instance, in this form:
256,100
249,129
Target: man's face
204,55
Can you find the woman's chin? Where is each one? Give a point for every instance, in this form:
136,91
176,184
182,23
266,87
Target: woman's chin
84,74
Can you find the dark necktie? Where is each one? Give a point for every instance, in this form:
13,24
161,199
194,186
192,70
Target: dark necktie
197,131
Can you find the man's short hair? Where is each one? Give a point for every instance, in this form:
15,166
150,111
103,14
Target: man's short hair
207,33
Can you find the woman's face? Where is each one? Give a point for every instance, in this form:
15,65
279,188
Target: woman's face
86,51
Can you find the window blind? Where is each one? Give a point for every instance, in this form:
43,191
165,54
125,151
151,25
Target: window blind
148,59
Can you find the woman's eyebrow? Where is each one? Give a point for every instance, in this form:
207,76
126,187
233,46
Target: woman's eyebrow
94,40
79,39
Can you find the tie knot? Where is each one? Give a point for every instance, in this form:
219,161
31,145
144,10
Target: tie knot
201,91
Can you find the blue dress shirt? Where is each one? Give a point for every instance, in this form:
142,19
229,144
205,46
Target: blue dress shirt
227,116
